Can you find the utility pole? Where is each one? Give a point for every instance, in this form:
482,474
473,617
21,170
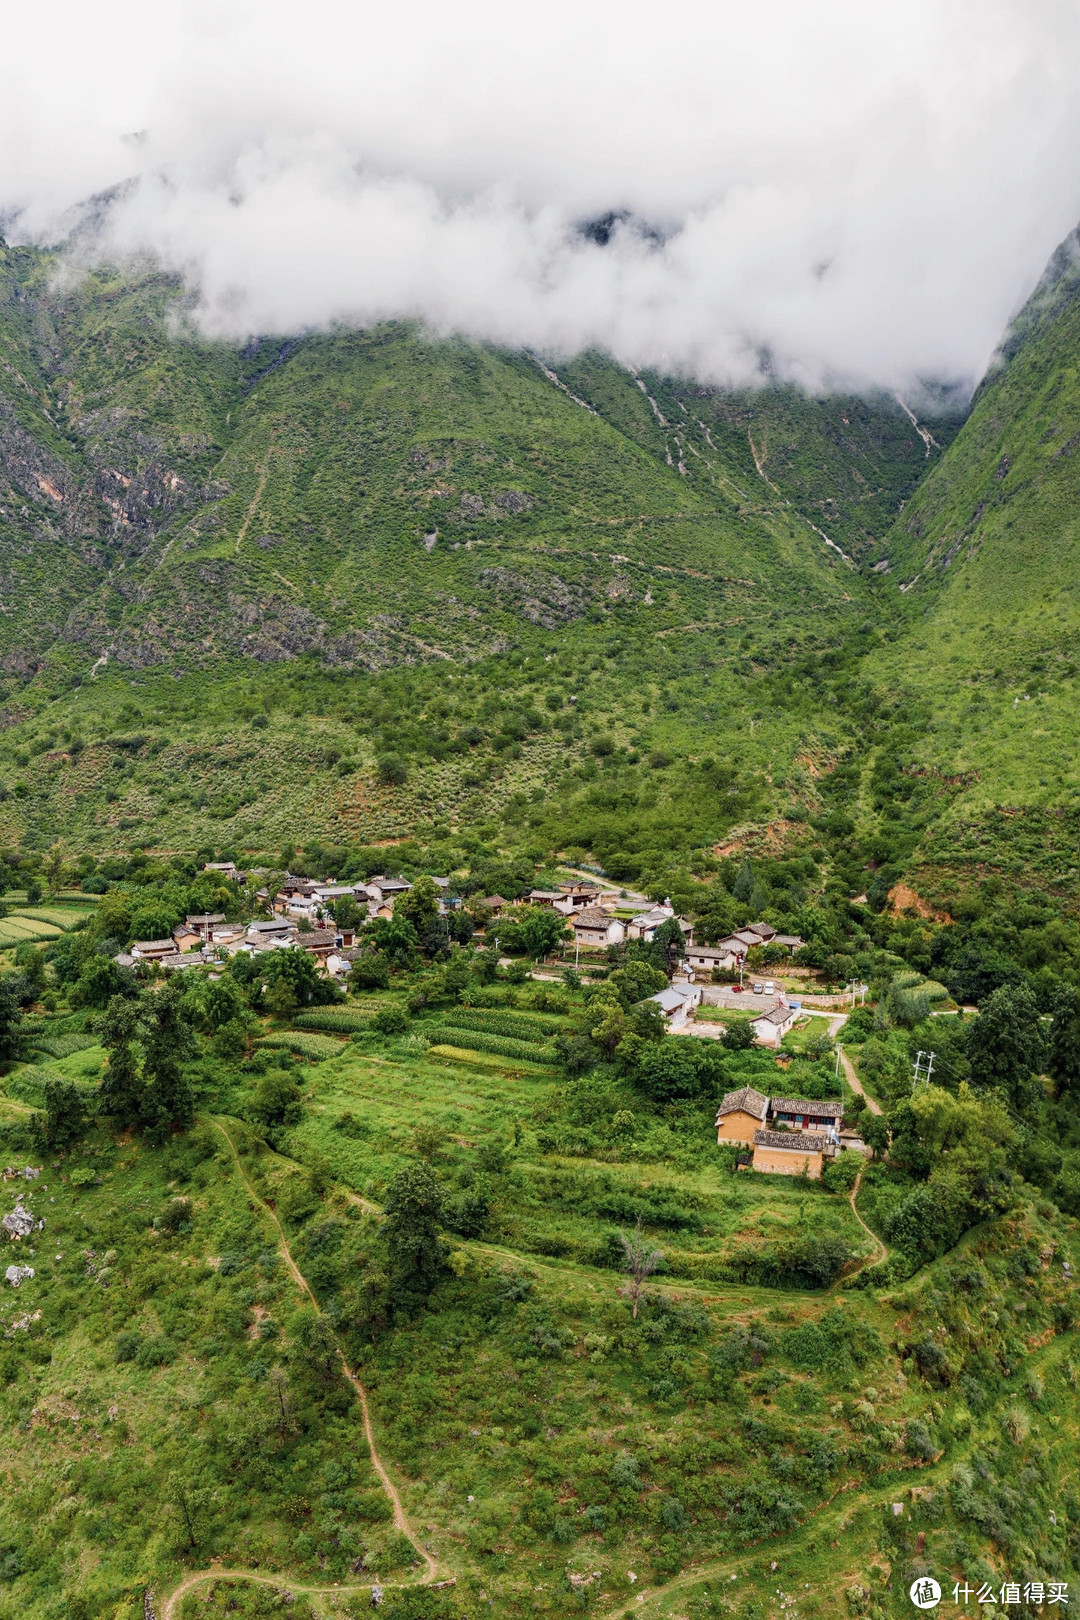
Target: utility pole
920,1059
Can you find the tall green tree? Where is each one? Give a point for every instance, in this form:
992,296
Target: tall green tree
121,1093
1006,1047
64,1116
168,1040
1063,1058
743,886
536,930
416,1253
10,1020
418,905
669,939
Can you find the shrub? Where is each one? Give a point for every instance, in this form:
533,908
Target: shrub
157,1351
127,1346
391,770
390,1021
918,1441
176,1214
844,1171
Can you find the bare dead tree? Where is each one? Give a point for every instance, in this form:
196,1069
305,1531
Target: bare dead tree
640,1260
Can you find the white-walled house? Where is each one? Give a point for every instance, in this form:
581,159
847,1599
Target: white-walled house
771,1027
677,1002
701,959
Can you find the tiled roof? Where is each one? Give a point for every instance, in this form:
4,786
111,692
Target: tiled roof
744,1101
796,1141
775,1015
593,917
807,1105
671,999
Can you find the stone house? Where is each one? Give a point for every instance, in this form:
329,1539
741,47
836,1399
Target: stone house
321,942
770,1027
677,1003
702,959
152,950
645,924
186,938
273,931
204,924
806,1114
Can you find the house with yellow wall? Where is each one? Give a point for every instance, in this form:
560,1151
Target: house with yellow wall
792,1153
740,1114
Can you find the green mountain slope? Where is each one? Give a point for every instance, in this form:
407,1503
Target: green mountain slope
987,557
378,532
363,497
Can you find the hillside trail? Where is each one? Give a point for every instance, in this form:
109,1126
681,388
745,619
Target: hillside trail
835,1026
880,1254
401,1522
264,473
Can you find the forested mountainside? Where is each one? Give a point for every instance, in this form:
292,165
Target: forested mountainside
986,554
364,498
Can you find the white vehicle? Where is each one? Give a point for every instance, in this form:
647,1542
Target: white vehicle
770,988
758,989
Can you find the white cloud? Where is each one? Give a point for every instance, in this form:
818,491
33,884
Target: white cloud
868,190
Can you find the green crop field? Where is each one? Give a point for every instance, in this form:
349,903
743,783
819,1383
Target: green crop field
15,930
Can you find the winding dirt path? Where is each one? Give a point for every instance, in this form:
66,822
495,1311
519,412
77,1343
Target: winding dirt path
881,1253
835,1026
401,1522
280,1583
253,508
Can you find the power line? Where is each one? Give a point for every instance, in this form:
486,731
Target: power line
920,1059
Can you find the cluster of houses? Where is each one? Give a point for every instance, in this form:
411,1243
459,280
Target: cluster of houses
788,1136
302,916
592,916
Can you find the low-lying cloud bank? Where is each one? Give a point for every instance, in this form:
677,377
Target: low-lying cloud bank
865,191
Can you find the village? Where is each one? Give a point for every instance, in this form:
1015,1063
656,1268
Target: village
780,1135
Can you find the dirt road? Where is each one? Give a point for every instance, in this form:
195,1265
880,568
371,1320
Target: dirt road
835,1026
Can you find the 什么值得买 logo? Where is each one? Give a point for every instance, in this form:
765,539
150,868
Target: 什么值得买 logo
925,1593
